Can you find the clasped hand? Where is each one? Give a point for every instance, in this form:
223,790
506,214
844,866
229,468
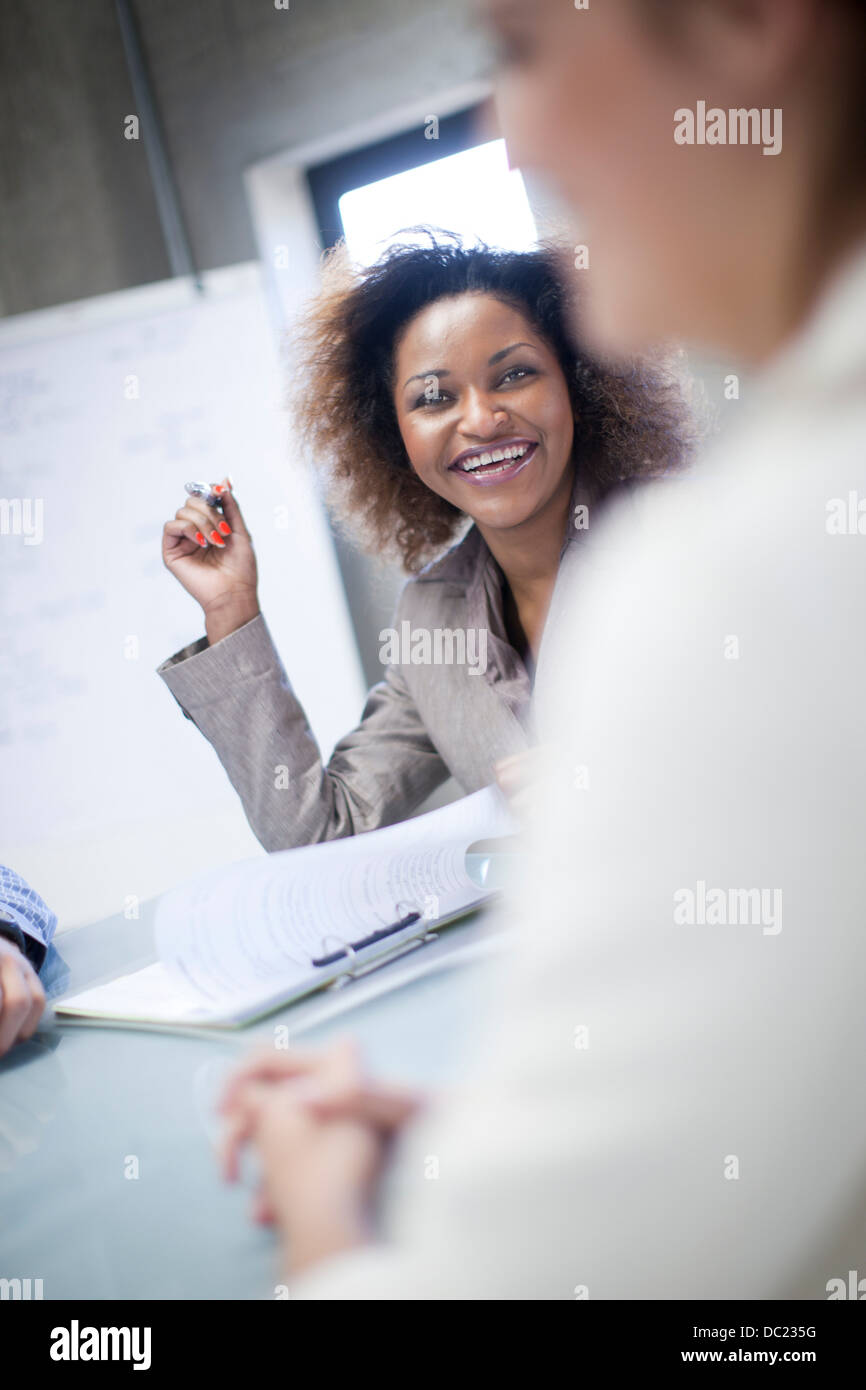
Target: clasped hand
321,1131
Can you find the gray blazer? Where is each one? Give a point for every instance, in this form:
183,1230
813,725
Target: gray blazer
420,724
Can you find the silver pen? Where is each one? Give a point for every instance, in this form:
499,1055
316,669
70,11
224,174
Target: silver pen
211,492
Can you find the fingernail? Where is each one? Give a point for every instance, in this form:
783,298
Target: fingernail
200,538
217,539
219,489
225,528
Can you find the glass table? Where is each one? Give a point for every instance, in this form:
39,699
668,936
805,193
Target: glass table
108,1183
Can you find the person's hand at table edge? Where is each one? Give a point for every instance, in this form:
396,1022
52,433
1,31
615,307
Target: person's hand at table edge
320,1130
22,997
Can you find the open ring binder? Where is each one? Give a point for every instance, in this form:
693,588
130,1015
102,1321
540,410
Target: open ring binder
356,968
399,887
351,949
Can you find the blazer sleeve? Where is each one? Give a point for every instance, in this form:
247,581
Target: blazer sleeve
238,695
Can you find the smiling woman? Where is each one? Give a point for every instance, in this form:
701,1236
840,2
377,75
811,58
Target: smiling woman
393,357
442,393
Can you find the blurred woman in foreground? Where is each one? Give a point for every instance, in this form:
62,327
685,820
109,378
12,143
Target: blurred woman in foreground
669,1104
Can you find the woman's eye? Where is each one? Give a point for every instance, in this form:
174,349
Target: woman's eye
430,399
517,374
511,50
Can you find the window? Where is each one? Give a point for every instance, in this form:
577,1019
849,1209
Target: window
373,195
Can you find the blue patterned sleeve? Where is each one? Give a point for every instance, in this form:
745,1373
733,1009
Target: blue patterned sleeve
24,917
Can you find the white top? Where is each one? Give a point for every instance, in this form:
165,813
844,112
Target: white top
710,1140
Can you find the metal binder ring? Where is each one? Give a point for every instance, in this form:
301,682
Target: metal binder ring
351,953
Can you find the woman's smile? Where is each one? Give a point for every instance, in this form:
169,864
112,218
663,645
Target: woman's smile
498,461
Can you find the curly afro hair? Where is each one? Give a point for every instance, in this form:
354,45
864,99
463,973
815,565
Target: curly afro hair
631,420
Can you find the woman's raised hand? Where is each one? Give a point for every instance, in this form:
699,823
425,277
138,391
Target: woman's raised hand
211,554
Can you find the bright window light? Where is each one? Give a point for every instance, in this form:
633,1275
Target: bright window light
473,193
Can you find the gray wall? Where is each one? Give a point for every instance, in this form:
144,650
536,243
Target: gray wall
235,81
78,216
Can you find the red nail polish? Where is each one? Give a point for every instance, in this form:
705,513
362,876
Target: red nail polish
200,538
217,539
218,489
225,528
